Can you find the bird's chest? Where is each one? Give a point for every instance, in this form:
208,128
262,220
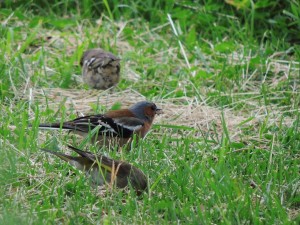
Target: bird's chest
144,130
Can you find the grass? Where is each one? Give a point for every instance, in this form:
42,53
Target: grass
226,151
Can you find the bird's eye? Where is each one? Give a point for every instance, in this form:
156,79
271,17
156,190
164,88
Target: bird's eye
153,107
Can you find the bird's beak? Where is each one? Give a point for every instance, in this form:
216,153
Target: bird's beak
159,111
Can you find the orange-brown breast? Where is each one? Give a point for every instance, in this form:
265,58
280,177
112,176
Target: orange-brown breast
144,130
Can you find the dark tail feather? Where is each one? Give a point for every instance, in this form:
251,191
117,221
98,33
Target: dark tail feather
55,126
105,162
64,157
79,152
85,154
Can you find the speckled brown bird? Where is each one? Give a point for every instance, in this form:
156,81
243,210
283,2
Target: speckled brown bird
100,69
104,170
116,127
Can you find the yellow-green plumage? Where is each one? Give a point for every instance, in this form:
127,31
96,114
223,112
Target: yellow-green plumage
105,170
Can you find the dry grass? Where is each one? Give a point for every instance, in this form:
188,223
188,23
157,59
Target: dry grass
179,111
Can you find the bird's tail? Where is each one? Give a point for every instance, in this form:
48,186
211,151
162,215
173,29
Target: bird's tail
55,126
64,157
79,152
104,162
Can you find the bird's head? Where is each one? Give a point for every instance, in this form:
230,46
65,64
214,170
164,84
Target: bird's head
145,110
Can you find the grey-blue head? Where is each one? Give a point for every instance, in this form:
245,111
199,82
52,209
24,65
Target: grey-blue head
145,110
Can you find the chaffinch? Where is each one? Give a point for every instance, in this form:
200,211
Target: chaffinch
116,126
100,69
104,170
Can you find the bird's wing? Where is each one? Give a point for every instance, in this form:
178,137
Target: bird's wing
101,60
85,123
120,127
130,123
81,162
117,127
94,63
104,162
114,127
